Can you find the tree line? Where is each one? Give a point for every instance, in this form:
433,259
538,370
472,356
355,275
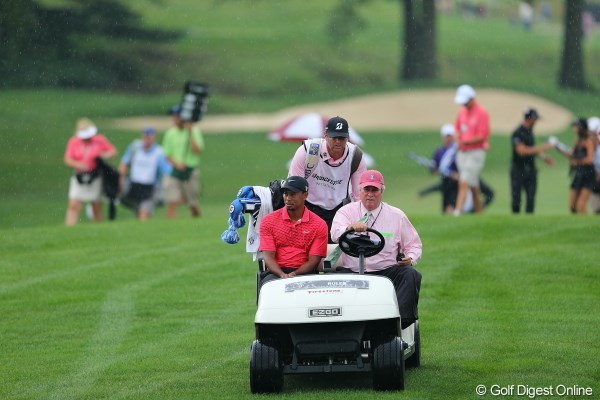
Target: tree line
419,58
91,44
102,44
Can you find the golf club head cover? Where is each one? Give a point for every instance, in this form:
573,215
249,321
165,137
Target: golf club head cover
230,235
236,214
246,192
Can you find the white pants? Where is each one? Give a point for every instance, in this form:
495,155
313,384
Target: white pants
84,192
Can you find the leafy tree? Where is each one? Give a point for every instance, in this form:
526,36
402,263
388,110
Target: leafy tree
419,55
345,20
97,43
571,70
17,21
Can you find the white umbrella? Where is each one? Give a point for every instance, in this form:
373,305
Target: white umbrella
307,126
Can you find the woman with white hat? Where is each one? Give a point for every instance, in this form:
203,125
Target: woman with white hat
83,148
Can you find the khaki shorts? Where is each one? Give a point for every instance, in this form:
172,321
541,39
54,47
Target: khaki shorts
469,164
84,192
175,190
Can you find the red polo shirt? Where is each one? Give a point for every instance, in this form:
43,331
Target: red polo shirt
293,241
471,124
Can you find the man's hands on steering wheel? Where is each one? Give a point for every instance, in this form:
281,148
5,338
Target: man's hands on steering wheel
357,243
359,229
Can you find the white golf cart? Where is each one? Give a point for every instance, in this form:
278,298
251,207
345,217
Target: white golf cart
333,323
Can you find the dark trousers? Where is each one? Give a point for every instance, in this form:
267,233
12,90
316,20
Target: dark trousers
449,193
487,192
407,282
523,180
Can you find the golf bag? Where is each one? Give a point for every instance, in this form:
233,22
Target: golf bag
249,202
110,185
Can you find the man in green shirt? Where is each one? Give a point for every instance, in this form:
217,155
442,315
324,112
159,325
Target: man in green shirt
182,145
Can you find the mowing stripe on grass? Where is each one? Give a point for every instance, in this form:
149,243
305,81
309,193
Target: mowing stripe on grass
86,267
114,323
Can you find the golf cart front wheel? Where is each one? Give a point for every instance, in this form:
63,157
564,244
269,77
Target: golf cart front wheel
266,372
388,366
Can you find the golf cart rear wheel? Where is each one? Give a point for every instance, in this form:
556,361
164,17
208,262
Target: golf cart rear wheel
266,372
414,360
388,366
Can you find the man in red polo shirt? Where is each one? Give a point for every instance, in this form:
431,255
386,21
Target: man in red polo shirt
293,239
472,127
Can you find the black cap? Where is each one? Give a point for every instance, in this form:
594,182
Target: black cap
581,123
531,113
337,127
295,184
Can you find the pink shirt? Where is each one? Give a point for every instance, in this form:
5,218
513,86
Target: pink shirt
472,124
293,241
392,223
88,150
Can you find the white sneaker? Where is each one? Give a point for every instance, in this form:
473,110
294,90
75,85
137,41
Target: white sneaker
456,213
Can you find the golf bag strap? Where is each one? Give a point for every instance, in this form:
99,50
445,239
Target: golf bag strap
356,157
312,147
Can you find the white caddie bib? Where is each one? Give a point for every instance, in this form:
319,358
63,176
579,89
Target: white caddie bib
328,184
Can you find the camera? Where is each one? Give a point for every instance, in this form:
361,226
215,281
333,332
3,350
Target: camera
194,102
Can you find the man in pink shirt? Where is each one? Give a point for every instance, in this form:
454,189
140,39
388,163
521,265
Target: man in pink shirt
472,127
402,248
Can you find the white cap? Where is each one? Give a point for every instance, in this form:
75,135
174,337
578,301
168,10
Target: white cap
464,93
447,130
87,133
594,124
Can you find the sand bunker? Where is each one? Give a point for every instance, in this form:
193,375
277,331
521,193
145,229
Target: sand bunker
423,109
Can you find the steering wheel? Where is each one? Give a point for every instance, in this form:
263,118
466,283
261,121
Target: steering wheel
358,244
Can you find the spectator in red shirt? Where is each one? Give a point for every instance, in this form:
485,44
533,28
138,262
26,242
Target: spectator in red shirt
293,239
472,134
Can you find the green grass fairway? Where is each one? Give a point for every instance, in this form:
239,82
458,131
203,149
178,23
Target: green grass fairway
165,310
